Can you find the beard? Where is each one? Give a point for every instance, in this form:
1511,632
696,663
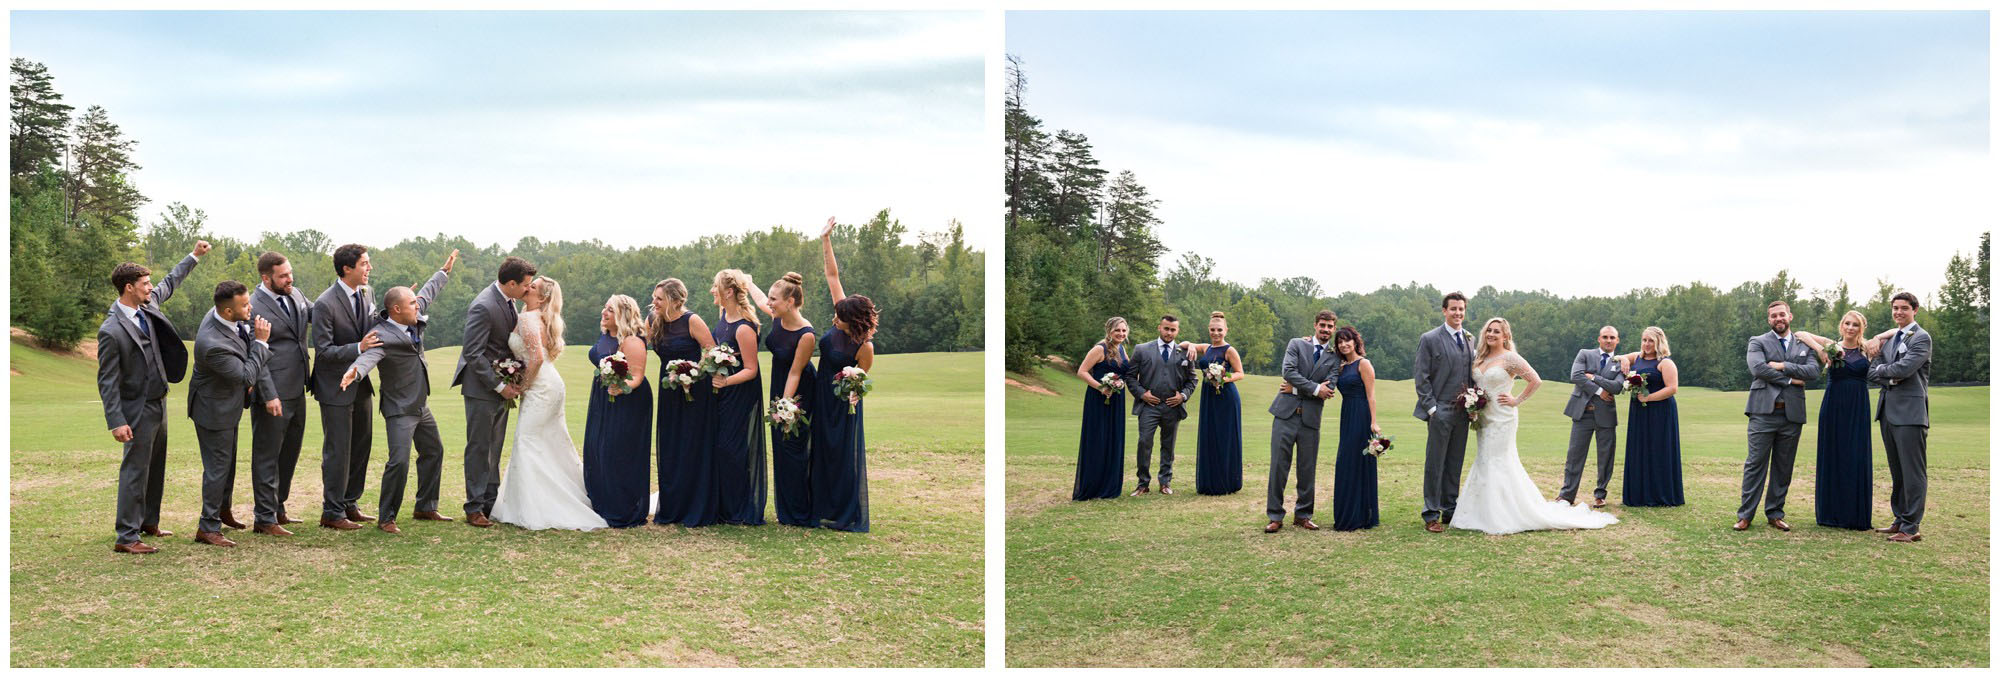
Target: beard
1781,326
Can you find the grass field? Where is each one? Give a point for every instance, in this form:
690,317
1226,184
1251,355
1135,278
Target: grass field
1189,580
908,593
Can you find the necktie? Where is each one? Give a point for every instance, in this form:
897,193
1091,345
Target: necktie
145,328
1164,348
286,302
1460,336
1897,344
418,340
1317,348
243,332
358,313
1602,359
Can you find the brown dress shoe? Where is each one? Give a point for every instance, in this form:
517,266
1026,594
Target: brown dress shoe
287,520
212,538
134,547
1305,523
1781,524
1905,538
1433,526
477,519
431,515
1597,503
1740,525
1166,490
154,531
1142,490
272,529
1886,530
339,523
1273,526
228,519
388,526
357,516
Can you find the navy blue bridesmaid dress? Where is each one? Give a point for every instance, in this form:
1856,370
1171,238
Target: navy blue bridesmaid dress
685,424
1354,483
790,497
1218,446
739,438
1844,481
617,437
839,469
1652,445
1100,451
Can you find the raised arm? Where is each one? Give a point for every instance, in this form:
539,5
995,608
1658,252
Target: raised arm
757,297
807,344
428,293
164,290
832,267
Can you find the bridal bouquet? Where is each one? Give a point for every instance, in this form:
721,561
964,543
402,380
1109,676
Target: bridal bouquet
1111,385
1473,400
1636,383
786,416
852,383
1214,374
1378,443
720,359
612,372
683,375
508,370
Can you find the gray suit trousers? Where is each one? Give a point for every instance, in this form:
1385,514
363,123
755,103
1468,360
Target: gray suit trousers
485,429
343,463
1909,474
1291,442
405,431
1774,443
1159,419
1444,461
1579,448
274,454
142,473
218,474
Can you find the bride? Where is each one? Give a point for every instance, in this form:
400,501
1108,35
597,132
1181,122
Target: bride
543,487
1499,497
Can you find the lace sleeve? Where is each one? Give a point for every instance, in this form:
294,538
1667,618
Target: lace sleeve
530,327
1517,365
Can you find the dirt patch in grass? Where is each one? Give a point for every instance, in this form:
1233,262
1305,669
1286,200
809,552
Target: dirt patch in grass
671,652
1011,383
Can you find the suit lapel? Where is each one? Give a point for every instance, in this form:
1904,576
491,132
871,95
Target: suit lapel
131,330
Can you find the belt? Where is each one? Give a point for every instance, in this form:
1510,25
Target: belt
1778,404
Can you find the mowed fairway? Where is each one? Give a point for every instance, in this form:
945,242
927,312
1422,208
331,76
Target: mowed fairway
908,593
1190,580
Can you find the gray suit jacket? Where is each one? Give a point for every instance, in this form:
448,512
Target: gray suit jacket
225,372
1162,379
1905,379
336,339
131,370
1583,372
1767,385
406,377
290,366
1442,370
1305,375
487,324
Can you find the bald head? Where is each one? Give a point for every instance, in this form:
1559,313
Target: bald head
401,303
1607,338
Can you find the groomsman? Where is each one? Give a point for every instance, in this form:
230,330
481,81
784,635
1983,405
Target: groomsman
1443,369
138,354
1162,381
1308,365
275,439
1593,411
230,355
340,333
1904,408
1780,366
406,388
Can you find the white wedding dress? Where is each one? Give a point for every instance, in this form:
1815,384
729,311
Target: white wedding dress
1498,496
543,487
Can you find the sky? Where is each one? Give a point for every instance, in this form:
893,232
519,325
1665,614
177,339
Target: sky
1584,153
634,128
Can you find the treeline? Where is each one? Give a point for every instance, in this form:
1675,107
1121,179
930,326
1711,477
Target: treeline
931,294
1081,249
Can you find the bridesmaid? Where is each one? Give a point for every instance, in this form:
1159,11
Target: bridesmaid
839,469
1218,448
1354,484
739,408
1652,430
791,343
616,433
1100,453
1843,485
686,421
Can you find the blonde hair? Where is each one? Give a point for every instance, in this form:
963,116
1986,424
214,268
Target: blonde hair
1660,350
625,318
1506,336
1858,316
735,285
792,287
676,294
1112,323
552,320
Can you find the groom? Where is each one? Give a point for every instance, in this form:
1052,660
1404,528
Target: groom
1443,368
1780,366
487,324
1162,381
1309,363
1593,410
406,388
